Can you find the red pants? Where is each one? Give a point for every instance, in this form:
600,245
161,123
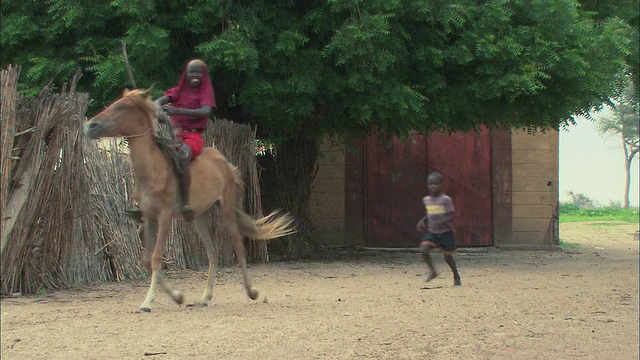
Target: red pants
194,141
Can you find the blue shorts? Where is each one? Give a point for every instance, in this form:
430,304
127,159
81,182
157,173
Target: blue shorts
443,240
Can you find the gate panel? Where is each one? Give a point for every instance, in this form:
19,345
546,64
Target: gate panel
464,160
395,181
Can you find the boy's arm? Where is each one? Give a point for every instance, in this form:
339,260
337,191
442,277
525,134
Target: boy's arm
200,113
159,103
162,100
422,224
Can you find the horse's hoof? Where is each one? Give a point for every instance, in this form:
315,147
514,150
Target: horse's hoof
145,310
177,297
253,294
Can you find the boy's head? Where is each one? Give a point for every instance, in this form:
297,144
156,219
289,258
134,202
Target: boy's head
195,71
434,183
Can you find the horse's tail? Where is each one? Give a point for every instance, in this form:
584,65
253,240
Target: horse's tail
272,226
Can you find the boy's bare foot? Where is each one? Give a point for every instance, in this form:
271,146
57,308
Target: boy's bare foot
187,213
134,214
457,281
430,276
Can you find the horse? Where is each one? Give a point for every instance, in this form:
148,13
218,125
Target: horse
213,179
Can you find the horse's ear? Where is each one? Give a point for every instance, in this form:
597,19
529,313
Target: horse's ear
146,93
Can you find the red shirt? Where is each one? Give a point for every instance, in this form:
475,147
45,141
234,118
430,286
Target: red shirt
186,97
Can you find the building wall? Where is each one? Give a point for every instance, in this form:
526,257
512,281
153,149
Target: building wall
524,192
327,202
534,191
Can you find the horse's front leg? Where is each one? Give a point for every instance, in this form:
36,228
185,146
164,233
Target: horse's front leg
164,227
149,233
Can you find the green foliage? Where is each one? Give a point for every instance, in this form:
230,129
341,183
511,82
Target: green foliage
340,67
572,213
629,12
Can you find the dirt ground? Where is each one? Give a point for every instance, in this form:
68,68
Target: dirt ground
578,303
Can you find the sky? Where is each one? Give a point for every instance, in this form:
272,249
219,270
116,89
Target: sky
593,165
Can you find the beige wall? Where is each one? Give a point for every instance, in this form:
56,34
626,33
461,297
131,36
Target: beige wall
534,160
327,202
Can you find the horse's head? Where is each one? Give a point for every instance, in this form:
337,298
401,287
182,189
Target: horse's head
132,115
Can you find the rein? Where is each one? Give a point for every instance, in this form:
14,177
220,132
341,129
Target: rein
138,135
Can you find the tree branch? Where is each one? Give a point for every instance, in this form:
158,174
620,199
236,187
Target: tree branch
126,63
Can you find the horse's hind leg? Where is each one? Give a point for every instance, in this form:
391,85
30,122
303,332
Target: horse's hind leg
238,247
202,227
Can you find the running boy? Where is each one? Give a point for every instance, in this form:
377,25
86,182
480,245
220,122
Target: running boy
438,222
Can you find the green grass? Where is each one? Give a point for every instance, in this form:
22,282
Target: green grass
568,245
571,213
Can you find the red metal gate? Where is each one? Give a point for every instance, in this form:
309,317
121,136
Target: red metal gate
395,182
394,185
464,160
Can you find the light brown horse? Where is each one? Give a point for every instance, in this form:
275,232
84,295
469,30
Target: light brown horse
213,179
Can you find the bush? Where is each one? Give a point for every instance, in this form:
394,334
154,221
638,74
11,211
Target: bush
581,201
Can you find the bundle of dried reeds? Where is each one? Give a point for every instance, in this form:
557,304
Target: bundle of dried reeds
111,178
8,98
237,143
62,227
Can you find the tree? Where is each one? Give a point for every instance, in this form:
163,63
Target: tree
625,123
302,70
628,11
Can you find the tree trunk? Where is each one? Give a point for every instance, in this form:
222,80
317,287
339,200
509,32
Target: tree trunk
285,183
627,169
627,184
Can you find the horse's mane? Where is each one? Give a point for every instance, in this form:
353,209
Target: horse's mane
162,128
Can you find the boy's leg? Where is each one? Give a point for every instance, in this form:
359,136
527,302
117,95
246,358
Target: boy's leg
184,180
424,250
452,264
134,213
191,147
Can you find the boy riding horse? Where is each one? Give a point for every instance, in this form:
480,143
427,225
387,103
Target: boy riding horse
189,104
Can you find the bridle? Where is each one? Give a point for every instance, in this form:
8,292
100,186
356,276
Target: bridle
138,135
